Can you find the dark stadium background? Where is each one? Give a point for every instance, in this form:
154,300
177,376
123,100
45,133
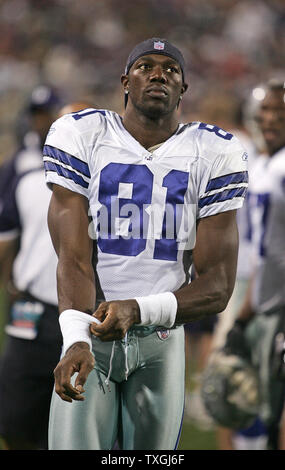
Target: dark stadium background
80,48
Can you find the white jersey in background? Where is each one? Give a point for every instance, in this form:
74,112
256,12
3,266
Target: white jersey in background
24,204
34,268
244,267
144,204
266,198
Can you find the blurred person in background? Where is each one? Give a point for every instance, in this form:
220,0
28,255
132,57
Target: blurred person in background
238,117
259,329
226,111
33,343
30,131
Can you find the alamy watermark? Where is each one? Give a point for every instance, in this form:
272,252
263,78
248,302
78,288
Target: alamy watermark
148,221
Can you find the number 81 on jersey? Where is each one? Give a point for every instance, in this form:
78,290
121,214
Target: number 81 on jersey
133,211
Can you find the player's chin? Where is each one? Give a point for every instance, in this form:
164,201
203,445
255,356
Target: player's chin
156,107
274,141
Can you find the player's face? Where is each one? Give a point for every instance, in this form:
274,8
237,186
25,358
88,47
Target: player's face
271,119
155,85
41,121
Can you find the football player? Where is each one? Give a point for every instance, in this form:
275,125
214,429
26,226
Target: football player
156,189
260,327
33,342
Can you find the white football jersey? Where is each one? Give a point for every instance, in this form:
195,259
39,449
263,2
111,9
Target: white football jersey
145,204
245,249
34,268
24,214
266,198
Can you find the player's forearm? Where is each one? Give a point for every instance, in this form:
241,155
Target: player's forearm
206,295
76,285
8,250
215,260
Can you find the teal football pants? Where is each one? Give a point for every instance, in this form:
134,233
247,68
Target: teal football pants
261,333
140,407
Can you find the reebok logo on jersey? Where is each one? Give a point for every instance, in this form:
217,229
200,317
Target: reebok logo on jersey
245,157
158,45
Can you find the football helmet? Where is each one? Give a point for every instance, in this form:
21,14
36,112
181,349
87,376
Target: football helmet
230,390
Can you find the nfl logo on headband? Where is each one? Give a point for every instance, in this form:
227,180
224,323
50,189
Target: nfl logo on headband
158,45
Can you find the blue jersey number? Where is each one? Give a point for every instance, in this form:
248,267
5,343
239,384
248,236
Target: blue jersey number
176,183
137,182
263,201
217,130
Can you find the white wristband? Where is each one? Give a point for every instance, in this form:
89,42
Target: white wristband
74,327
158,309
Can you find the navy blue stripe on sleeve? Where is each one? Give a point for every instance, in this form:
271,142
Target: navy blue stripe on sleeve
66,173
67,159
226,195
226,180
76,115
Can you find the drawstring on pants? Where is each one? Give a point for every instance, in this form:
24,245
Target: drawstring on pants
126,357
110,367
107,380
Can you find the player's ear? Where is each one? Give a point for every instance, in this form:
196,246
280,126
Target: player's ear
125,82
184,88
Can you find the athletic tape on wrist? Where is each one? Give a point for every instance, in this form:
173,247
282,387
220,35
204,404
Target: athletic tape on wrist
74,327
158,309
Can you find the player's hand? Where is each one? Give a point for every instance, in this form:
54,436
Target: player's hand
78,358
116,317
235,340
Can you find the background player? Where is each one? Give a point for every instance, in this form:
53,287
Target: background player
240,119
98,160
34,341
231,114
261,318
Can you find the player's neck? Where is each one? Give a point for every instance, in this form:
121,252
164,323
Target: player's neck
272,150
149,132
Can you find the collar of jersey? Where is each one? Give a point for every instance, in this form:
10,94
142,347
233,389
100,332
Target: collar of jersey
129,139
